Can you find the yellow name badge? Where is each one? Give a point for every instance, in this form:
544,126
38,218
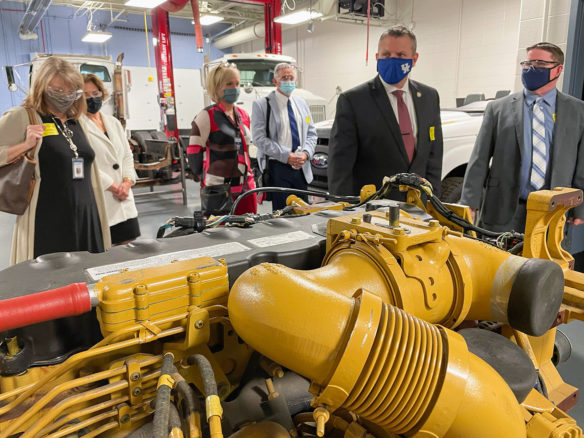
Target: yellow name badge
554,116
432,133
50,129
308,120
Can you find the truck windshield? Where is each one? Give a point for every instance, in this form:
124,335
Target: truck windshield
258,72
98,70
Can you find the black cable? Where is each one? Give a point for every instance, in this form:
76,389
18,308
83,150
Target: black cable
325,195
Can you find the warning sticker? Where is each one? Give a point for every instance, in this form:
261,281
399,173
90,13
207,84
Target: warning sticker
223,249
281,239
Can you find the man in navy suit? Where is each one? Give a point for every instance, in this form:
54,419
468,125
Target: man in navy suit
388,125
284,134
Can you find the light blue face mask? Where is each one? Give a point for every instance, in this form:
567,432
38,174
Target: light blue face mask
230,95
287,87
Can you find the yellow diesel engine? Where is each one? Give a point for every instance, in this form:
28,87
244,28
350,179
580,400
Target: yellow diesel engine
408,328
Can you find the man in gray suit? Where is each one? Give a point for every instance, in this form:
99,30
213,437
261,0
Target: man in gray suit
284,134
535,139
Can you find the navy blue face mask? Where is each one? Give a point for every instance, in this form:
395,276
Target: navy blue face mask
230,95
535,78
393,70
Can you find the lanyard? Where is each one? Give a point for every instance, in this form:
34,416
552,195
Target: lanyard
68,134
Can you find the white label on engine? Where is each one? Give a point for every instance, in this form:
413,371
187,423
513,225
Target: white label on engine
281,239
99,272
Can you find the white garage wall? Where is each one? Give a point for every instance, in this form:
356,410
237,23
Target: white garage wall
465,46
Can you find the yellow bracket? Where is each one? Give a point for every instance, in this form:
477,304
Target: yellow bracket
544,226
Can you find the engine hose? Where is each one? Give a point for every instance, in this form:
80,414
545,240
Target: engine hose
174,422
325,195
71,300
192,404
162,410
213,407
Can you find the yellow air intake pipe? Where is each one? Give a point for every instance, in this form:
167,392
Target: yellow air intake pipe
431,273
393,369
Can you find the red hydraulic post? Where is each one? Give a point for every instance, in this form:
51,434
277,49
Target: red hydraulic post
273,30
163,56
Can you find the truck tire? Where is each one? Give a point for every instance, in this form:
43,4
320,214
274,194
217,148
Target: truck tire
451,189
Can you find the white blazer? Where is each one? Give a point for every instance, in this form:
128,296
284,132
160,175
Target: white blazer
115,162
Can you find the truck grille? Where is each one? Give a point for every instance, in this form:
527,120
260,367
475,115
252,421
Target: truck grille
318,113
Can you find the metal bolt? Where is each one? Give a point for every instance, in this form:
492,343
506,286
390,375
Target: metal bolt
137,391
134,376
199,323
356,220
394,215
399,231
434,223
125,418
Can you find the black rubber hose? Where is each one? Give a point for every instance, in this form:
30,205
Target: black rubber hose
162,409
174,418
144,431
191,401
209,382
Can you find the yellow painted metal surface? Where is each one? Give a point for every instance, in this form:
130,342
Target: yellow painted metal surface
155,293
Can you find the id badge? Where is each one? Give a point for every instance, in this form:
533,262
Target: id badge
238,143
78,168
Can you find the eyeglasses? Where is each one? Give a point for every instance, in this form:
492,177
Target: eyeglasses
75,94
538,63
287,78
94,94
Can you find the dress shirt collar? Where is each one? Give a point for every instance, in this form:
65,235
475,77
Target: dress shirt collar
389,88
549,97
281,98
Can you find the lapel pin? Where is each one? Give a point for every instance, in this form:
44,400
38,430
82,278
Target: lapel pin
419,94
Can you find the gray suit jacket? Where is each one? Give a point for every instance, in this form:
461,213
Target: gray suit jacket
496,189
268,147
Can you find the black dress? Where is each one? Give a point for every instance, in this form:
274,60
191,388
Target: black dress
66,215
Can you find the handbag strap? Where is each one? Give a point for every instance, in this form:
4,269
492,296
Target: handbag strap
33,121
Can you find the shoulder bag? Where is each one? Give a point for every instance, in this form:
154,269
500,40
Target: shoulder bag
17,179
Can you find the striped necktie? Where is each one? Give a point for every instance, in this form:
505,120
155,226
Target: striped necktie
539,156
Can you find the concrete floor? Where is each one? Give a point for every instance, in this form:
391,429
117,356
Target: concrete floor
155,209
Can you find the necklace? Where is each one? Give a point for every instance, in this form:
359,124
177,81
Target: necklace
68,134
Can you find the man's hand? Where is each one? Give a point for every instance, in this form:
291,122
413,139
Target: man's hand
297,161
473,214
33,134
575,221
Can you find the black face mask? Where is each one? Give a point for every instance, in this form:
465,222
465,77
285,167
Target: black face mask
94,104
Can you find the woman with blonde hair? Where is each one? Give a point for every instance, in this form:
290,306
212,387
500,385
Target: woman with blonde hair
222,131
115,162
66,211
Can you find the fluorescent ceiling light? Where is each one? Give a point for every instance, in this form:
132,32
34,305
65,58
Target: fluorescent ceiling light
96,36
206,20
297,17
148,4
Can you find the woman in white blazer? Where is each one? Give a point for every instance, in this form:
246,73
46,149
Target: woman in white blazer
115,162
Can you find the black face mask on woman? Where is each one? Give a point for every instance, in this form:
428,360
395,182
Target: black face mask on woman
94,104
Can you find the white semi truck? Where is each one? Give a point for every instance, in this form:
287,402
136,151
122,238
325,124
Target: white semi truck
256,74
